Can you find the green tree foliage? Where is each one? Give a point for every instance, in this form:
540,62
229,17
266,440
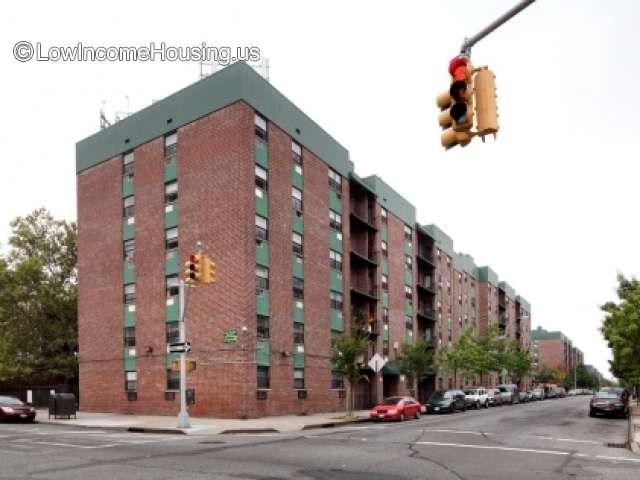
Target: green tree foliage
38,294
346,355
517,362
584,378
550,375
458,357
416,360
621,329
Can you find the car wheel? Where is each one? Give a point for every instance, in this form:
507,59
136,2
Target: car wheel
402,417
592,413
478,406
452,408
486,404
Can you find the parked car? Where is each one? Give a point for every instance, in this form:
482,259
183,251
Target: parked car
396,408
12,408
538,393
510,393
446,401
608,403
477,397
525,397
494,396
573,393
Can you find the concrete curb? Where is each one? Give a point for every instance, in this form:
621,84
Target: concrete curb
249,430
334,424
175,431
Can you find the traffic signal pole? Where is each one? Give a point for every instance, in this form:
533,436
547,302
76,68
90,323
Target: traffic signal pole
470,42
183,416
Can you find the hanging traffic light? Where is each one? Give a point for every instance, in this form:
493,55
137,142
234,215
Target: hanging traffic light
456,105
208,270
193,269
486,106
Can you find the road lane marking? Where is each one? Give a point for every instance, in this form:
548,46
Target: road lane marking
492,447
573,440
469,432
621,459
69,445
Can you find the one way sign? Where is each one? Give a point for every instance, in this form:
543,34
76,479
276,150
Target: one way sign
179,347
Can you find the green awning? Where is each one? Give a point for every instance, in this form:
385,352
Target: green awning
391,368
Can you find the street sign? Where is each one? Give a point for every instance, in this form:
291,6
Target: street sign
377,362
231,336
179,347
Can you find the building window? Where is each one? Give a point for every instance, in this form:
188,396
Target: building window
335,221
385,347
129,337
385,315
335,181
296,153
262,229
408,261
385,282
408,322
298,288
383,214
127,164
335,260
171,238
337,381
408,293
173,380
296,199
129,249
130,294
296,242
262,279
263,327
385,248
263,377
172,332
298,333
170,192
260,126
170,147
172,286
130,381
261,178
407,233
128,206
298,378
335,300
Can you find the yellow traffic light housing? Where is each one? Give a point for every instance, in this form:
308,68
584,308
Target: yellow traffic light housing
208,270
193,269
486,105
456,105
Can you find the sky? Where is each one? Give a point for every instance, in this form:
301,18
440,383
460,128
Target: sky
551,205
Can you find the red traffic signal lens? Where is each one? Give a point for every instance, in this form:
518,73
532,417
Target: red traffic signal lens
192,258
457,64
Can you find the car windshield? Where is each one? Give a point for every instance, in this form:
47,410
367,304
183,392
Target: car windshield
470,392
391,401
440,395
10,401
605,395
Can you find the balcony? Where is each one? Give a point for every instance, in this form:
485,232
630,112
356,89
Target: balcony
426,258
369,328
425,313
364,258
364,292
426,283
359,221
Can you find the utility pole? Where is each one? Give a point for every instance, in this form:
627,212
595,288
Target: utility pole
183,416
501,20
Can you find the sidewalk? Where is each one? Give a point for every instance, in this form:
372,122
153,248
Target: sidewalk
204,426
634,428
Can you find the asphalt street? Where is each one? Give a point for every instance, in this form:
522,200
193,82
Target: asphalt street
553,439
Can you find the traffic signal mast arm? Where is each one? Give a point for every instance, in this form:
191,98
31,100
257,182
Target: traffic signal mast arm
504,18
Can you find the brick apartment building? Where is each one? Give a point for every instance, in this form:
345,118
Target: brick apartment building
553,349
305,250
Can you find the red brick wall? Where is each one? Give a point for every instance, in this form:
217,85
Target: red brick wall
100,304
551,354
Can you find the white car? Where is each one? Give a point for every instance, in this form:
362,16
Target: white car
477,397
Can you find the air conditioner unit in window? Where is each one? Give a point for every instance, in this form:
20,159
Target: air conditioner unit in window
302,394
132,396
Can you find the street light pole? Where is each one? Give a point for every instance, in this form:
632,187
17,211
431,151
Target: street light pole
183,416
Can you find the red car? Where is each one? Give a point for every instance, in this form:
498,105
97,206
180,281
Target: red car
13,409
396,408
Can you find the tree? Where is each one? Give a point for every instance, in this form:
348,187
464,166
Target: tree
38,295
346,355
487,354
549,375
517,362
416,359
456,357
621,329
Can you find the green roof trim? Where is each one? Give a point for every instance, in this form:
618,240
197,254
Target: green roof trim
440,239
361,182
542,334
508,290
237,82
524,305
485,274
392,200
464,263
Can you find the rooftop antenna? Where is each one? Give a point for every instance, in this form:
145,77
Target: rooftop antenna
119,115
209,68
104,123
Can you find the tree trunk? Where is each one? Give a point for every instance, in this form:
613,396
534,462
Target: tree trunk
349,398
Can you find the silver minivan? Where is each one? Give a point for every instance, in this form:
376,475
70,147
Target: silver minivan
509,393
